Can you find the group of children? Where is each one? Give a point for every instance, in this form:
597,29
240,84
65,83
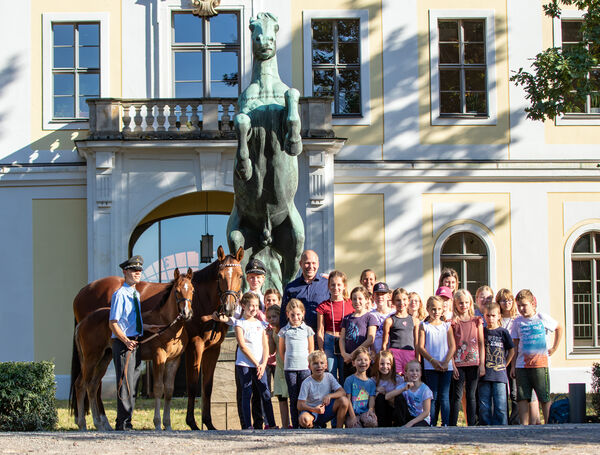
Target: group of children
370,363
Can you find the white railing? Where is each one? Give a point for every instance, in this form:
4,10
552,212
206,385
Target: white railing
113,118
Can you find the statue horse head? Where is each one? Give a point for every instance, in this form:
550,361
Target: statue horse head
264,28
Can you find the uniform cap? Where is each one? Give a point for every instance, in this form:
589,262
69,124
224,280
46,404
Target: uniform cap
135,263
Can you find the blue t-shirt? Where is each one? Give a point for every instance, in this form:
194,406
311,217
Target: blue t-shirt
360,391
296,346
415,400
123,311
497,342
310,294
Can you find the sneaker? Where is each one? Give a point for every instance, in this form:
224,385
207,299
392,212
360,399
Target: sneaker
274,427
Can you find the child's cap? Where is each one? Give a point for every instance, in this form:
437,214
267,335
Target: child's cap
381,287
444,291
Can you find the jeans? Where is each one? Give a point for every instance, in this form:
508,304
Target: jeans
468,377
248,377
256,405
335,362
294,379
492,403
439,383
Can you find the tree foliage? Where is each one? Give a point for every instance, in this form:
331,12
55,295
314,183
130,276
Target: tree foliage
559,80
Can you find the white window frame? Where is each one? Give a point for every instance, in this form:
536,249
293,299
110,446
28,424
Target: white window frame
472,228
571,119
49,123
569,244
365,80
166,86
490,52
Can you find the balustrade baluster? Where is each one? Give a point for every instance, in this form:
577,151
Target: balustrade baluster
126,118
149,116
194,119
172,117
160,118
137,119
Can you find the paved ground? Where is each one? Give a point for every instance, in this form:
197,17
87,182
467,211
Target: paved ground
551,439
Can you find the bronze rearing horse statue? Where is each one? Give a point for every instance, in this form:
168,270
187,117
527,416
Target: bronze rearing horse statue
264,220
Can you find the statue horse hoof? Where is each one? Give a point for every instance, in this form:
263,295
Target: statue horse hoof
293,147
244,169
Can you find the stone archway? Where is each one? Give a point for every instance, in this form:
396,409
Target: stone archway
127,182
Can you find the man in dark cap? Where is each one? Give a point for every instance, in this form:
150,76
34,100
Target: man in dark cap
255,277
125,321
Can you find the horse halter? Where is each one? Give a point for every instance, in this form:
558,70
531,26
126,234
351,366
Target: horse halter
223,295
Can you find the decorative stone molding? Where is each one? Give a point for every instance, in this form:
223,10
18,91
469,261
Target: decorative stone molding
104,166
316,164
205,8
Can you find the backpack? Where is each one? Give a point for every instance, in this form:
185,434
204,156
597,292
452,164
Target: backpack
559,411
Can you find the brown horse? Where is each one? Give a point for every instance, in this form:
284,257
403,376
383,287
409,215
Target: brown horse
164,348
216,288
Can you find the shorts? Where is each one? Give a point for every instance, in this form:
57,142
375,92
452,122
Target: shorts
529,379
322,419
401,358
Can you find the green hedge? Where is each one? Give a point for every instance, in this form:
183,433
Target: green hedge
596,388
27,396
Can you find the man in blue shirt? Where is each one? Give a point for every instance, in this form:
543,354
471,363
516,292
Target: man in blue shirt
310,288
125,322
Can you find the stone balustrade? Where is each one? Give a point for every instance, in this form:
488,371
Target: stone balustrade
195,118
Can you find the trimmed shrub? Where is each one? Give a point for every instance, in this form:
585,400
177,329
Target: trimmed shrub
27,396
596,388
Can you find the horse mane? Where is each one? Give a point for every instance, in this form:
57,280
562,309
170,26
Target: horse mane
166,295
207,273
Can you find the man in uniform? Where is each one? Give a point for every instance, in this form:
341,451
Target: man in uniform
125,321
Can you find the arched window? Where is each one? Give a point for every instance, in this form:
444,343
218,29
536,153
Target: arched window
174,242
585,273
466,253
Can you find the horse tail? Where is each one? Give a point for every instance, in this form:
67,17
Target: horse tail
75,372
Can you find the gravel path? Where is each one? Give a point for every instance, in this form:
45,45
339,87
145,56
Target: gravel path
569,439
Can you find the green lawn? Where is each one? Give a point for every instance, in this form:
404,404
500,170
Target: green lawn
143,415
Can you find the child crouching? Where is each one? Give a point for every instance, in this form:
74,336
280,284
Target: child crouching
412,403
361,391
321,397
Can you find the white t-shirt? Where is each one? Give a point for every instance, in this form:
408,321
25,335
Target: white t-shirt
436,342
253,336
313,391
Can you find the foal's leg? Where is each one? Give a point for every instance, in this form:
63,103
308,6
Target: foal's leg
80,392
242,125
159,369
169,381
101,369
293,142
